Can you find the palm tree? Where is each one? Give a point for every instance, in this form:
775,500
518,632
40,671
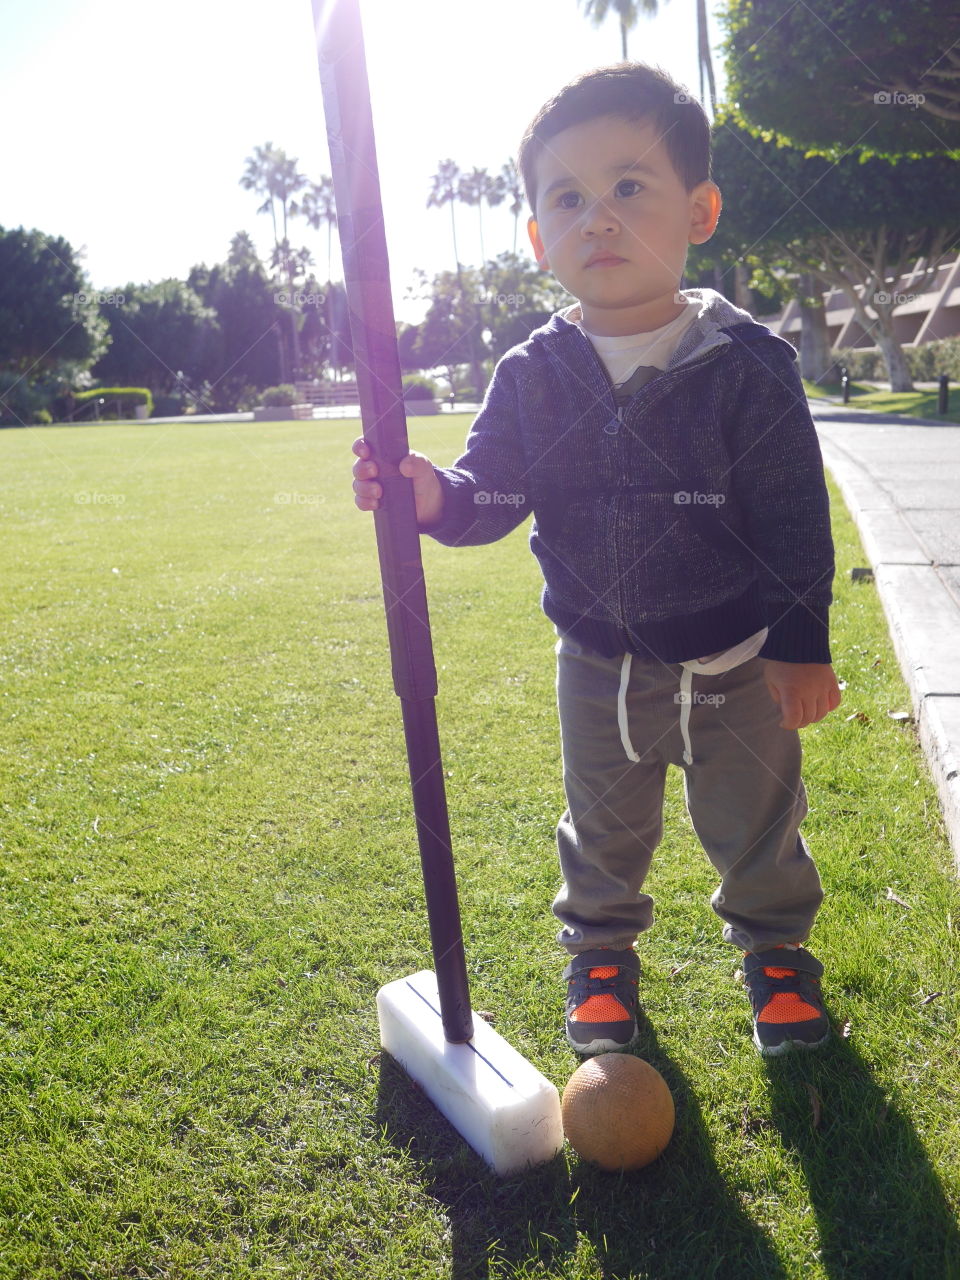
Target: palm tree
318,207
446,190
474,189
704,61
628,11
271,173
513,188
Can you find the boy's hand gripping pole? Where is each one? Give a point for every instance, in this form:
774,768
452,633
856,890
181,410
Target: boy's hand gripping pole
356,184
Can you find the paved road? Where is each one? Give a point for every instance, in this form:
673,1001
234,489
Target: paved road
900,477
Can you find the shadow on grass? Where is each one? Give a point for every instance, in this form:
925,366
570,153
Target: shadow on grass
674,1220
879,1205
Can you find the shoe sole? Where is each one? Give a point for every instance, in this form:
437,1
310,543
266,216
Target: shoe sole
603,1046
787,1046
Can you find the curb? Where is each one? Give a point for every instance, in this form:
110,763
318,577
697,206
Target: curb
924,621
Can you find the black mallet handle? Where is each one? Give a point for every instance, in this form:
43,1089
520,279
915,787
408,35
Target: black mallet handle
356,185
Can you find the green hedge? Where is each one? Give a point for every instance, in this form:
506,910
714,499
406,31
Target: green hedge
116,396
926,362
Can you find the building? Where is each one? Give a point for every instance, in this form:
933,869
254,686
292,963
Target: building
920,317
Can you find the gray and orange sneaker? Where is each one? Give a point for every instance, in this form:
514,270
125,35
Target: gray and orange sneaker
601,1003
784,987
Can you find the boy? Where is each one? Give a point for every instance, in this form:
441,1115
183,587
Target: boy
663,442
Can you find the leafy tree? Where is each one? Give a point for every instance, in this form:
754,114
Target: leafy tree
495,313
243,252
339,350
49,319
162,337
245,351
325,337
517,298
851,223
448,336
832,74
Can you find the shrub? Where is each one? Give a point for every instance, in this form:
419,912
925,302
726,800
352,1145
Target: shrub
283,394
23,402
168,407
247,398
416,388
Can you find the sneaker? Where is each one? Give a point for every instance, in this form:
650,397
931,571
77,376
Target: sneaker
784,989
601,1001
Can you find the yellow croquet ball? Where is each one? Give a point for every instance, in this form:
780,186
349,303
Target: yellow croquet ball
617,1112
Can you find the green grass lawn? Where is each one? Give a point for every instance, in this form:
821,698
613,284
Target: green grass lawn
209,867
914,404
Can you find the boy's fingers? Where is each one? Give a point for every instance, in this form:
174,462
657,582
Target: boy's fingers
791,708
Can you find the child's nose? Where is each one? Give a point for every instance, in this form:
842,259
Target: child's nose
598,218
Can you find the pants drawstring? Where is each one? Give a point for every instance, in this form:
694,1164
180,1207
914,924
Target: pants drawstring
622,709
716,665
686,701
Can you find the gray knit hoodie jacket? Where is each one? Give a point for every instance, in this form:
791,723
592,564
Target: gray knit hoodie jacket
673,524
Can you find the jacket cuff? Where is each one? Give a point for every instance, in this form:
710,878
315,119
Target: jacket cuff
459,508
798,633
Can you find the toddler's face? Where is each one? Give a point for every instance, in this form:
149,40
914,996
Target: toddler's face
609,187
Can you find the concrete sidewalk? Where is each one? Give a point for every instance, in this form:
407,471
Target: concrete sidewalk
900,478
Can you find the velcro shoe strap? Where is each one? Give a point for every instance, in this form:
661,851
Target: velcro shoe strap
600,958
781,958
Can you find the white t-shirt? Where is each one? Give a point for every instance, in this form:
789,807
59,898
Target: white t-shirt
631,361
623,355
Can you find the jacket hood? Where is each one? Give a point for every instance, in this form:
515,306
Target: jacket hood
706,331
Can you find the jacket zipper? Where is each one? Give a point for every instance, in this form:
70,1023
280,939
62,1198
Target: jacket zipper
613,428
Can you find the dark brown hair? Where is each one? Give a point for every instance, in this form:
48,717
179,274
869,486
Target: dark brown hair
633,92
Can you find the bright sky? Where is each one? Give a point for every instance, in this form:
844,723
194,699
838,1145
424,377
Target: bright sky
127,125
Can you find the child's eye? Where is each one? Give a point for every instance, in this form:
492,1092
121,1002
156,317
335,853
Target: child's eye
626,188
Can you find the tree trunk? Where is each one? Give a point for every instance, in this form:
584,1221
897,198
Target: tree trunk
282,353
815,361
893,355
881,324
703,54
294,327
741,294
475,367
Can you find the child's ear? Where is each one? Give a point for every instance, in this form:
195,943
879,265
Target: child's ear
705,205
533,231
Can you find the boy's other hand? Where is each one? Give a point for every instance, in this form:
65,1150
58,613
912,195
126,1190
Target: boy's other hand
427,493
804,691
